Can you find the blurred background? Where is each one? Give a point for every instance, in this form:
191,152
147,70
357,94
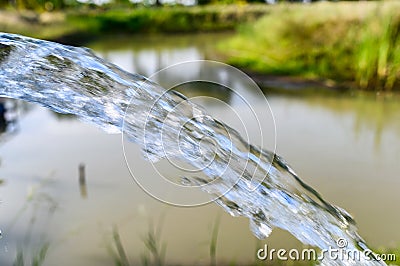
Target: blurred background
330,72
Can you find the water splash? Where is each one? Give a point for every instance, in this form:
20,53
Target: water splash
73,80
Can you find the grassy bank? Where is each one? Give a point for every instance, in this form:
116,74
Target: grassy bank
353,44
171,19
84,23
357,43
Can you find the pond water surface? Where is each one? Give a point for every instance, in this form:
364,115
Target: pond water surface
346,148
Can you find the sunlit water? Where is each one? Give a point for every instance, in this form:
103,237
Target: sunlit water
56,160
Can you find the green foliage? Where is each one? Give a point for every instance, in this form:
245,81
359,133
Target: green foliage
168,19
378,57
35,5
4,3
323,40
154,246
78,25
203,2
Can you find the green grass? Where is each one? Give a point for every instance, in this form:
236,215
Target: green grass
37,260
166,19
213,242
155,247
118,253
78,25
347,41
378,56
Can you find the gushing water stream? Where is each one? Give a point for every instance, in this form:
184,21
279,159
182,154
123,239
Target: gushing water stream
251,182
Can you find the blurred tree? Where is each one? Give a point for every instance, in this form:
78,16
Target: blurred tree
26,4
39,5
203,2
50,5
4,3
121,2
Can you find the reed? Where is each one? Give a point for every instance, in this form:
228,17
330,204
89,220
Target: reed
353,43
378,56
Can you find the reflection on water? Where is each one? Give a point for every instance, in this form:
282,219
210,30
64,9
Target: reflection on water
346,148
10,110
82,181
3,121
372,114
205,89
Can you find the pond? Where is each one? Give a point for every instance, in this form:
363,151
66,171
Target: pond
347,148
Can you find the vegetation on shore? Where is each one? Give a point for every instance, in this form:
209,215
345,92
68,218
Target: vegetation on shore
171,19
346,44
356,42
86,23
